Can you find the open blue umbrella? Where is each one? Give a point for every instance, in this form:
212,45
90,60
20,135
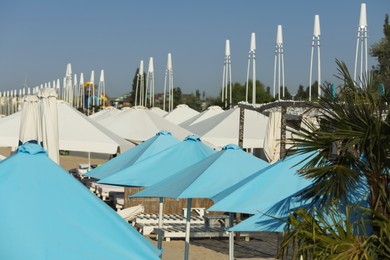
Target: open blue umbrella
161,165
263,189
206,178
274,219
47,214
161,141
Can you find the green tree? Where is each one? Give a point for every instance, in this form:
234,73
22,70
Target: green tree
381,51
177,97
301,94
353,146
134,86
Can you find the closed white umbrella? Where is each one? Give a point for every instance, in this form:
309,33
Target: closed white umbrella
30,123
49,122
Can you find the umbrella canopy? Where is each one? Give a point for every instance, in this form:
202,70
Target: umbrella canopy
104,113
161,165
274,218
223,129
139,124
161,141
209,112
208,177
180,114
264,188
29,121
76,132
49,122
65,220
158,111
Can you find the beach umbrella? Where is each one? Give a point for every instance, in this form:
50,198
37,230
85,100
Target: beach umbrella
161,165
206,179
65,220
49,122
76,132
28,122
223,129
141,124
161,141
209,112
272,137
104,113
180,114
274,219
158,111
264,188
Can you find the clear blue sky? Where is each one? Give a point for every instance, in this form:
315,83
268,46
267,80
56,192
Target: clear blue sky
38,38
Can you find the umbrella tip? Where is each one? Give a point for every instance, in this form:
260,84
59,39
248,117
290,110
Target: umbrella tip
194,138
164,133
231,147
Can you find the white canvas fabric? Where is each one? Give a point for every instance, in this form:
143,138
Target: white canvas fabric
29,121
49,122
223,129
105,113
272,137
139,124
209,112
158,111
180,114
76,132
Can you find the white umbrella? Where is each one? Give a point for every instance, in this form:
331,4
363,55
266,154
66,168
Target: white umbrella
49,122
180,114
29,122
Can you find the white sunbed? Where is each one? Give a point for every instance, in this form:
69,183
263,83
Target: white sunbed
131,213
103,190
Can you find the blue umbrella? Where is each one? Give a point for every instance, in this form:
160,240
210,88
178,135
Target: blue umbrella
206,178
263,189
161,165
275,218
47,214
161,141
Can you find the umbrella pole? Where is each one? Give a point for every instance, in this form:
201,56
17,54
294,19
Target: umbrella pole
231,238
188,223
160,223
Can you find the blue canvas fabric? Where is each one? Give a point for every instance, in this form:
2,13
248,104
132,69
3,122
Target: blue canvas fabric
208,177
274,219
264,188
161,141
161,165
48,214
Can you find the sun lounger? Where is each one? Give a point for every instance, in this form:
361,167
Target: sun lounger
146,223
196,230
103,190
117,199
131,213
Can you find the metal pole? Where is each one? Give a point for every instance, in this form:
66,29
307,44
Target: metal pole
188,226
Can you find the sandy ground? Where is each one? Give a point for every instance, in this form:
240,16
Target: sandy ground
260,246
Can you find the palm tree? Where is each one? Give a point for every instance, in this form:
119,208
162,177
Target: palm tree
353,144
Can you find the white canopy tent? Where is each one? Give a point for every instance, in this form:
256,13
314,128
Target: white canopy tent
76,133
180,114
223,129
139,124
